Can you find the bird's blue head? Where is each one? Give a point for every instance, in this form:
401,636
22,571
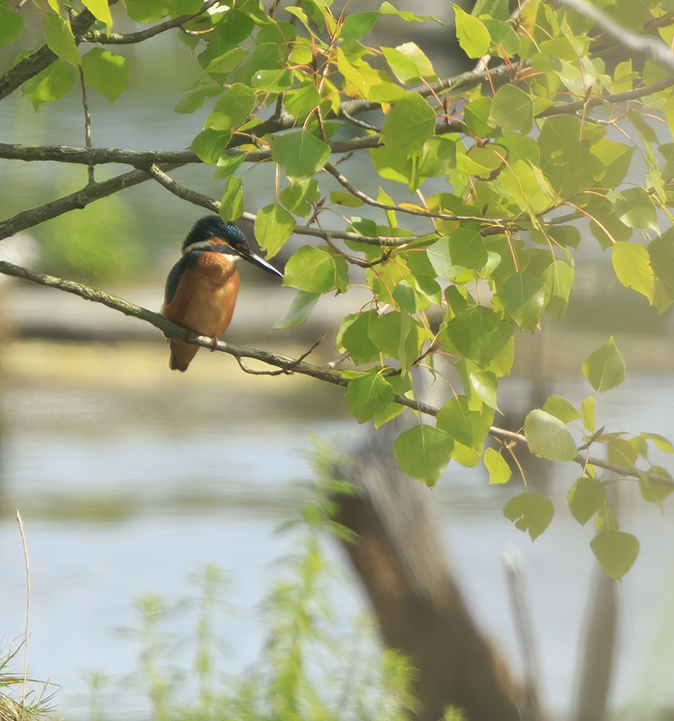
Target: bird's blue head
213,228
213,234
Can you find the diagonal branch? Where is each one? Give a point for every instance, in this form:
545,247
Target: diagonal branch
289,365
192,196
74,201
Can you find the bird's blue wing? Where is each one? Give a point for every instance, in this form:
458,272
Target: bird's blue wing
189,260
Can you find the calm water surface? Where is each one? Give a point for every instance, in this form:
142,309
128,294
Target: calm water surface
217,489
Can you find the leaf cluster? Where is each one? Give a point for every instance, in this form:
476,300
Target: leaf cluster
503,170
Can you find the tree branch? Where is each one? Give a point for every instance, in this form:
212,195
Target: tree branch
95,156
42,58
74,201
289,365
119,39
635,94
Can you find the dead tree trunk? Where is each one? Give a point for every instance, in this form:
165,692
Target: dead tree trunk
418,604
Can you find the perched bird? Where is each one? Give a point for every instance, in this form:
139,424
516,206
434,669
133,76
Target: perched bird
202,286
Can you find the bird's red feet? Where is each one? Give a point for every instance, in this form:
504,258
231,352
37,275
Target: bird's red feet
214,343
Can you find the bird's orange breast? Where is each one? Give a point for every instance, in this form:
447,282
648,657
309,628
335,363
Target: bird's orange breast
206,295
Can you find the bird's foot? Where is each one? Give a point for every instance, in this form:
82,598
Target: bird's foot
214,343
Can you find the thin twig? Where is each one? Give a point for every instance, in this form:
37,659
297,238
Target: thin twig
87,124
345,182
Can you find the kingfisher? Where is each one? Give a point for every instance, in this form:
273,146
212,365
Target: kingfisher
202,287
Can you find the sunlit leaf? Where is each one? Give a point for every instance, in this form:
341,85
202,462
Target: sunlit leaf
471,33
423,452
11,25
530,512
59,38
548,437
273,226
299,153
499,470
106,72
616,551
605,368
368,395
302,305
632,265
585,497
561,408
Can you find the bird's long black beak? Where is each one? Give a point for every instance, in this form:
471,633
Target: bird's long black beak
260,263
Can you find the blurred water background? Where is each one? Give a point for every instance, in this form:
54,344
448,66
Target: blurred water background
128,476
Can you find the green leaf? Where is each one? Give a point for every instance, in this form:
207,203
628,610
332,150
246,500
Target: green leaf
232,109
471,33
409,64
208,145
558,279
530,512
146,11
397,335
652,491
499,470
311,269
485,384
660,441
585,498
368,395
51,84
227,162
423,452
11,25
409,124
348,200
465,426
616,551
621,453
222,66
441,260
524,298
636,209
302,305
299,103
661,252
231,203
561,408
478,333
605,368
106,72
353,337
299,153
467,249
632,265
357,25
587,409
100,10
59,38
299,197
388,9
511,109
273,226
548,437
